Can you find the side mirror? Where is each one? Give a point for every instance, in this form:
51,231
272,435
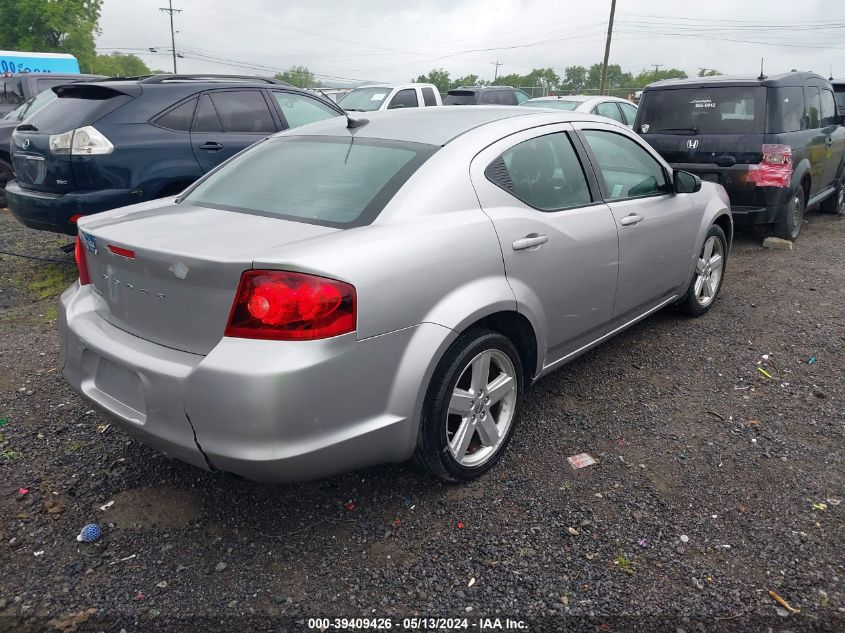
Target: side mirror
685,182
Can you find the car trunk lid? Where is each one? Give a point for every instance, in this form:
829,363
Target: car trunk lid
168,272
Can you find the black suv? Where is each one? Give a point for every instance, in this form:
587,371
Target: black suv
839,89
485,95
112,143
776,144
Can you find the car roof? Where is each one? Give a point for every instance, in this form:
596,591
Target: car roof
432,126
794,78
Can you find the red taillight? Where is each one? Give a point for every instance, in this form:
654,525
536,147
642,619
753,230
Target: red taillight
75,218
81,262
284,306
775,170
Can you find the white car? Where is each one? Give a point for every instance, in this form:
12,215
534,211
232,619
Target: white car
382,97
614,108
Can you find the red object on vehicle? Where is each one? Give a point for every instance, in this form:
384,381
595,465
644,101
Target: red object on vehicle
123,252
775,170
288,306
81,262
75,218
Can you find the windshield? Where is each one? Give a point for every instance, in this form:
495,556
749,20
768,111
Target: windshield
364,99
556,104
333,181
710,110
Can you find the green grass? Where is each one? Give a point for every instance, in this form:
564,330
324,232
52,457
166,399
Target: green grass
50,281
625,564
11,455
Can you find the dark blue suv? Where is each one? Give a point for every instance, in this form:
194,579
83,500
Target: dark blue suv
112,143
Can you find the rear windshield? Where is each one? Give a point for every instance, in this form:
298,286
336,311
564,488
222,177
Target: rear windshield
556,104
711,110
76,106
364,99
460,97
332,181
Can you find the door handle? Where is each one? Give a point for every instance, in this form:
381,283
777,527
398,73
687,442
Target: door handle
630,220
211,146
529,241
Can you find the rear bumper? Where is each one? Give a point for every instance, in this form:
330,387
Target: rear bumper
52,212
749,205
266,410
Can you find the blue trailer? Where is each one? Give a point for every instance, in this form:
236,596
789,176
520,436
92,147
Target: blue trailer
22,62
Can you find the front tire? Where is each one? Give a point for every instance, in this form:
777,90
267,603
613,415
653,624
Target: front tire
471,407
709,274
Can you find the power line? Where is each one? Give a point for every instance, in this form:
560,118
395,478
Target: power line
170,10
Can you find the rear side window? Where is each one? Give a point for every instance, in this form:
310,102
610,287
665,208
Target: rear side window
629,171
77,106
608,109
11,91
207,119
301,110
543,172
406,98
629,111
460,97
428,97
331,181
709,110
840,96
178,118
786,109
828,108
243,111
498,97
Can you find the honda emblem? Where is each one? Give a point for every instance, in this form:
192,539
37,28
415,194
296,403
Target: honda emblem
692,143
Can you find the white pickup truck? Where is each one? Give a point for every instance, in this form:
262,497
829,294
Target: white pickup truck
383,97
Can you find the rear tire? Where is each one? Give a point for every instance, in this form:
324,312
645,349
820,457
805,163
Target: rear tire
789,226
471,407
709,274
835,204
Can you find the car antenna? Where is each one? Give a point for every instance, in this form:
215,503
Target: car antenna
830,78
355,123
762,76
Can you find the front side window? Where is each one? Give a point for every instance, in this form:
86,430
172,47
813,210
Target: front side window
629,111
301,110
428,97
406,98
243,111
608,109
521,97
629,171
331,181
543,172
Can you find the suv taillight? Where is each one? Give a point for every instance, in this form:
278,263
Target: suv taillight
83,141
81,262
775,170
285,306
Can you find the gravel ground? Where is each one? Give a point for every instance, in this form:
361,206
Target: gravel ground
713,486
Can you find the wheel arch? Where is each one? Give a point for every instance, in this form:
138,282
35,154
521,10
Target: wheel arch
518,329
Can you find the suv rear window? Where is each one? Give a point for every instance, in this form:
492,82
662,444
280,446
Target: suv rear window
77,106
711,110
460,97
332,181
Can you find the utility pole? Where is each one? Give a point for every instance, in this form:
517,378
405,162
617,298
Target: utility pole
496,63
656,68
607,45
169,9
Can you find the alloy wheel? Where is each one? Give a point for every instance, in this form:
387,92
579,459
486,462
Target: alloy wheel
708,271
482,408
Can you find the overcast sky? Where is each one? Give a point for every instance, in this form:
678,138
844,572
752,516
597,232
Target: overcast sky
394,40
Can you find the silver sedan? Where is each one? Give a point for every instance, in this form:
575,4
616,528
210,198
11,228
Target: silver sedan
358,292
614,108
